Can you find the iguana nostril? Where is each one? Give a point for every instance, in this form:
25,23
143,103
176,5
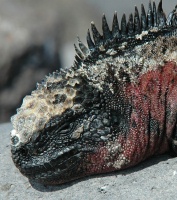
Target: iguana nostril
15,140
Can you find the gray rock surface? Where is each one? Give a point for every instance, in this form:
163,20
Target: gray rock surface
153,179
32,38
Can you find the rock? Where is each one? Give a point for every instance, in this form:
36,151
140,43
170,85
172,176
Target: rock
32,36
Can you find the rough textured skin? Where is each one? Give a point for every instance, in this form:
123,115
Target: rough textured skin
115,107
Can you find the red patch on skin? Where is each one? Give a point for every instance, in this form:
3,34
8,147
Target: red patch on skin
151,97
154,100
155,92
96,163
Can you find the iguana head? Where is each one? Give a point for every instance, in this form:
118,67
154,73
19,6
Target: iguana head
67,127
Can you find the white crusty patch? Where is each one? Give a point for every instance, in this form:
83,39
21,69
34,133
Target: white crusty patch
77,133
140,36
38,108
138,61
115,157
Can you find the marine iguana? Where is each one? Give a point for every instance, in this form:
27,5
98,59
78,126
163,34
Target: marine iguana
115,107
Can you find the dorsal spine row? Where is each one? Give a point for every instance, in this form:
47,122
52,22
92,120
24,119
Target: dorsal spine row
155,18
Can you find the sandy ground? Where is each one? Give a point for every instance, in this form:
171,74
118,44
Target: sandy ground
155,178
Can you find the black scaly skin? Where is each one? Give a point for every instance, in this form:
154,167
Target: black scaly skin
112,109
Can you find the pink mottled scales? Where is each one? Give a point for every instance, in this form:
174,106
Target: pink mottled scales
151,97
150,125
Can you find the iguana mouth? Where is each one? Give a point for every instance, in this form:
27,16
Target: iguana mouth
58,162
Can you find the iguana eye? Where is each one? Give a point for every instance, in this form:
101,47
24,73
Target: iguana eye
66,128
